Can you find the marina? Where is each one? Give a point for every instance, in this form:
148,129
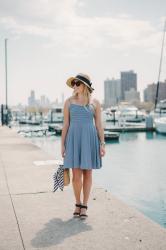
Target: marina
111,130
94,70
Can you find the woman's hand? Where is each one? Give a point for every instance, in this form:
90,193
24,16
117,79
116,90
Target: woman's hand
63,151
102,150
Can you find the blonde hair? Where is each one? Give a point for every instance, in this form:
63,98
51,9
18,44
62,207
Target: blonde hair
86,94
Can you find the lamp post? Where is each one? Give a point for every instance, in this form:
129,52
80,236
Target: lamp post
6,83
113,110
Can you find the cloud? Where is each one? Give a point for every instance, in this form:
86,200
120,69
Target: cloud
59,22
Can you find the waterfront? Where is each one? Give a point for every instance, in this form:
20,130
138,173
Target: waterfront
28,187
133,169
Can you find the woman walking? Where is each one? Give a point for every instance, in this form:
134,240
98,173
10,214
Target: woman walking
82,141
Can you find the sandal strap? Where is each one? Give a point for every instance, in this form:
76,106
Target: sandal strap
83,206
78,205
83,215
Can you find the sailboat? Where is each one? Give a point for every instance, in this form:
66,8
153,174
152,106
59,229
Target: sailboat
160,123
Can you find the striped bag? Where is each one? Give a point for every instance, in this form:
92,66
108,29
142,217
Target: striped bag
61,178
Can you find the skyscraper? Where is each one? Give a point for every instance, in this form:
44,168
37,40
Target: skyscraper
44,101
112,91
31,99
128,81
132,95
150,92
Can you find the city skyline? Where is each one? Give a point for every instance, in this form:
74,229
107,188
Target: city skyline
51,41
112,94
60,98
42,100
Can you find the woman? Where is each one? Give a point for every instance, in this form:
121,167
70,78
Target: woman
82,141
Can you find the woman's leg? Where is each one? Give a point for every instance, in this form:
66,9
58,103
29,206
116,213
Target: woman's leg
87,183
77,185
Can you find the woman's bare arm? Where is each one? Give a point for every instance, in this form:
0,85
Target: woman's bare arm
98,121
66,122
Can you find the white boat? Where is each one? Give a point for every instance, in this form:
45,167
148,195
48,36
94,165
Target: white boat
106,116
160,124
130,114
110,114
55,115
160,110
111,135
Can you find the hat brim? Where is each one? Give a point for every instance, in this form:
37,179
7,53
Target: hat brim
69,81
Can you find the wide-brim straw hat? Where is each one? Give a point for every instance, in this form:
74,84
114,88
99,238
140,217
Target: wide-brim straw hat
85,79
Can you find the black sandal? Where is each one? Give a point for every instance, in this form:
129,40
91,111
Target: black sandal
83,216
77,214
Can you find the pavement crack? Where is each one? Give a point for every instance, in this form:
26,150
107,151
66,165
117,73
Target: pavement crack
12,203
42,192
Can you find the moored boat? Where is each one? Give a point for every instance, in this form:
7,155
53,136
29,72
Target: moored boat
111,135
160,124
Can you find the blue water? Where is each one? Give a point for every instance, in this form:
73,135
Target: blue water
134,170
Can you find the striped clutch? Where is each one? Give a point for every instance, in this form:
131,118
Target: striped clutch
61,178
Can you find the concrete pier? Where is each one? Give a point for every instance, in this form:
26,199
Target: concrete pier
33,217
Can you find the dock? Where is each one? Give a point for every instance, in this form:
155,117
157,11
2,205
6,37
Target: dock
31,131
111,131
33,217
129,129
56,128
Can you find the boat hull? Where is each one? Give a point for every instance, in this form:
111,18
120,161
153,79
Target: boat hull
160,125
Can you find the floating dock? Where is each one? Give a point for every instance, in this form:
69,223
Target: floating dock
109,136
129,129
55,128
32,131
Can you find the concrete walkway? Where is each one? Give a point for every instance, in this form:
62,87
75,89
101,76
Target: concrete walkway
33,217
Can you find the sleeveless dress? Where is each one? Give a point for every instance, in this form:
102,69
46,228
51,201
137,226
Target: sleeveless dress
82,144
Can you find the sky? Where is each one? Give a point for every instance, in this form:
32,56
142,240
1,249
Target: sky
52,40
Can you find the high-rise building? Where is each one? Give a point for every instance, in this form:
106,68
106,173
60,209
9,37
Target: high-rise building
132,95
44,101
150,92
31,99
112,92
128,81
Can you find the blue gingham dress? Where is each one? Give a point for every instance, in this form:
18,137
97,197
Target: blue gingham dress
82,145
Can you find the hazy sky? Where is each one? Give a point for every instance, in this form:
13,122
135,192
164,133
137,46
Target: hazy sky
51,40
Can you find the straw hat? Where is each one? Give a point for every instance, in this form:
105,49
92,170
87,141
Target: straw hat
85,79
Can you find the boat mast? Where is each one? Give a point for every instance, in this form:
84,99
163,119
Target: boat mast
161,59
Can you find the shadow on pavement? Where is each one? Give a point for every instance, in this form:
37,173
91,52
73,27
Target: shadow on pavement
57,230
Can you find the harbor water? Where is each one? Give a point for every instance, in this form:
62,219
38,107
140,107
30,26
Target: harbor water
134,169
